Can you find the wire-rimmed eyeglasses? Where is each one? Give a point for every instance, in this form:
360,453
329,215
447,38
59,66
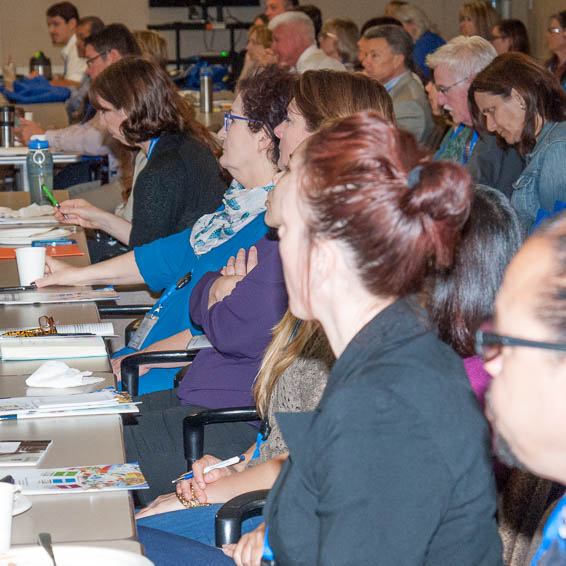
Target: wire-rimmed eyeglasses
444,89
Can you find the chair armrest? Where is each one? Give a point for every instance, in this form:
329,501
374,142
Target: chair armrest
193,427
130,367
229,519
123,310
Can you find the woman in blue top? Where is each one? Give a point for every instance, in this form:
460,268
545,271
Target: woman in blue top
524,105
250,155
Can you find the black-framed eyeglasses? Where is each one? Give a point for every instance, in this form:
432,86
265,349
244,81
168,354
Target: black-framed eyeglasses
489,344
444,89
494,37
229,120
90,61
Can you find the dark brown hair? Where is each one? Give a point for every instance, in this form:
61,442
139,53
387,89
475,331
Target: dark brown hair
516,31
265,97
150,100
542,94
369,185
114,36
458,300
64,10
326,95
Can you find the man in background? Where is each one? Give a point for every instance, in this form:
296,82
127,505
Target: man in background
77,105
62,20
294,44
275,7
386,53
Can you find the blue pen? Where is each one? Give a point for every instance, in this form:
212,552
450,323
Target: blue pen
8,417
223,464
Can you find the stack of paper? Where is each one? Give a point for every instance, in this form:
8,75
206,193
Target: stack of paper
105,402
58,295
52,347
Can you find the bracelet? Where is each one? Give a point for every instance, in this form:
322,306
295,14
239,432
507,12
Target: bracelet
192,502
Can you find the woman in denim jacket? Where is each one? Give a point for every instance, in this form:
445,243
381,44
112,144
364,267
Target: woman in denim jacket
524,105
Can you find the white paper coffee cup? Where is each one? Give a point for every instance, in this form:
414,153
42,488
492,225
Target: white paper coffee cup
7,491
31,264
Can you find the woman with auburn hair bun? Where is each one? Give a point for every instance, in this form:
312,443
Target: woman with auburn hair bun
398,436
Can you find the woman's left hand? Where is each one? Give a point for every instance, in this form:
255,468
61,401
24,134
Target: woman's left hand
232,273
163,504
249,549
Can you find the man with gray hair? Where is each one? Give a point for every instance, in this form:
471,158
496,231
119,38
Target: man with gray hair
295,46
386,53
454,67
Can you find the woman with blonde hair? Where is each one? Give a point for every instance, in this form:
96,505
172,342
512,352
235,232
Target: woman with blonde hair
153,46
258,50
478,18
338,38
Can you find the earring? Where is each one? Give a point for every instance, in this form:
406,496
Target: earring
523,106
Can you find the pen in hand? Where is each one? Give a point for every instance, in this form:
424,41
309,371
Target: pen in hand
52,199
223,464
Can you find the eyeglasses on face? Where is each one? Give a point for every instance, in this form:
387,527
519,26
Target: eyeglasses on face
494,37
90,61
490,344
444,89
554,30
229,120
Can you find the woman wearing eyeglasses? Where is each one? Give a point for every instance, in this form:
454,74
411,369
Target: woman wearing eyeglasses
510,35
180,178
338,38
556,40
521,102
175,264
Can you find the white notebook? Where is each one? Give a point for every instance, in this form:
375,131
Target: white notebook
52,347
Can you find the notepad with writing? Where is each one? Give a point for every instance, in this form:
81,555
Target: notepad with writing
51,347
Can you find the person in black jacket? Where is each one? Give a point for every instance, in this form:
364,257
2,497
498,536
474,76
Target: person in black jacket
393,466
180,179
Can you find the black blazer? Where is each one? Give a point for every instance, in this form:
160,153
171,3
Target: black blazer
394,465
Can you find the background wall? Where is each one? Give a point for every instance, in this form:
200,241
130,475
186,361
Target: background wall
23,29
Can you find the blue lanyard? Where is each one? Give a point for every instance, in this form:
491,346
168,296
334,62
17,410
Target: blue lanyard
152,144
452,136
170,290
552,533
466,154
475,138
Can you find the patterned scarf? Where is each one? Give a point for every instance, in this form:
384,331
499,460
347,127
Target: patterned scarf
241,206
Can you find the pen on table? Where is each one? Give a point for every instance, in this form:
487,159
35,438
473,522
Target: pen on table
52,199
223,464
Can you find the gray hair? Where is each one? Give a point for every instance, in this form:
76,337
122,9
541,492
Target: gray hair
412,14
400,41
464,56
347,35
300,20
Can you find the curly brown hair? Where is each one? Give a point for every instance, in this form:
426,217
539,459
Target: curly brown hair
265,97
